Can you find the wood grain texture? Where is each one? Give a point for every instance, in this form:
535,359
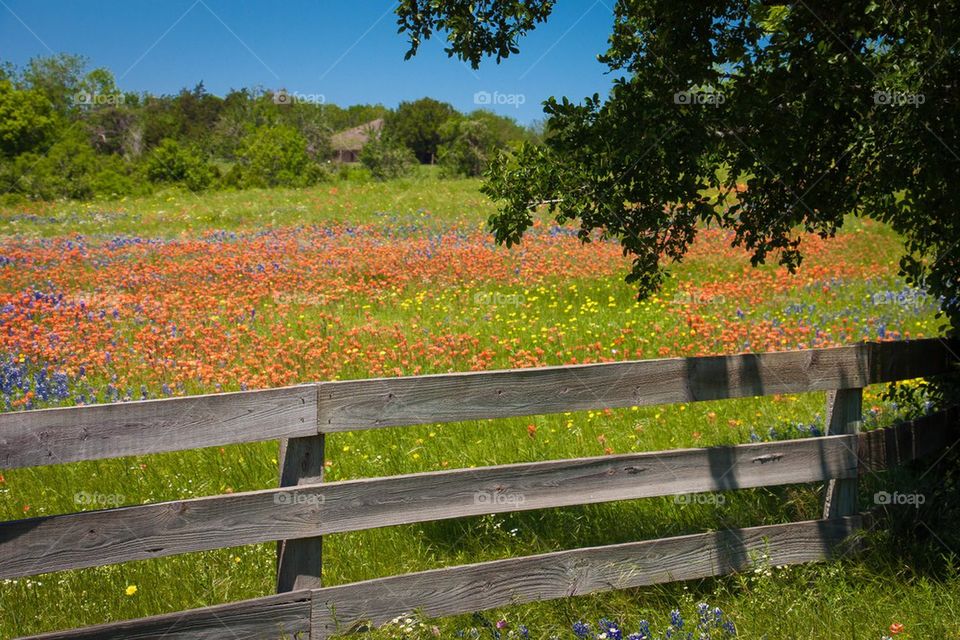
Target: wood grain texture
54,436
93,538
931,435
284,616
367,404
487,585
300,561
844,414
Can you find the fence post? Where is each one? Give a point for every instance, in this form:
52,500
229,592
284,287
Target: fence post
844,413
299,562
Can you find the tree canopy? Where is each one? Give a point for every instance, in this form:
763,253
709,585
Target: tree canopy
806,112
116,143
417,125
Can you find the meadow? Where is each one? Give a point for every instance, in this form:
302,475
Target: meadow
178,294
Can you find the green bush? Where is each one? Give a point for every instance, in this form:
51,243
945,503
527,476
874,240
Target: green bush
386,158
468,147
171,163
70,169
275,156
27,121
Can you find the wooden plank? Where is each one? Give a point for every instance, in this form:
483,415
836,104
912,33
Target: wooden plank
844,413
299,562
93,538
54,436
487,585
280,616
935,434
384,402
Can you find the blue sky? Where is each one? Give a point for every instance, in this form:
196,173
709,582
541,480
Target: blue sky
347,51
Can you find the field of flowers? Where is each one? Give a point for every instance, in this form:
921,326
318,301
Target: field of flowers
176,295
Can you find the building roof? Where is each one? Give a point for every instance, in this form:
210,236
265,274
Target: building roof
354,139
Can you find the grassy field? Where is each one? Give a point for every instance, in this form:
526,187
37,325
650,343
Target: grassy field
180,294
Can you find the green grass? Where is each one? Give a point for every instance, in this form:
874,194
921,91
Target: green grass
904,574
173,212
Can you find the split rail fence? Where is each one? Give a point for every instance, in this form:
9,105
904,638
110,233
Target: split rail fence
304,508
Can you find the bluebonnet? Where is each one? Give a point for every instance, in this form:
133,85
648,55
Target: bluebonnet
23,375
712,625
611,629
676,619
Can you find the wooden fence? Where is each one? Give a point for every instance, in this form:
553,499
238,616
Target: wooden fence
303,508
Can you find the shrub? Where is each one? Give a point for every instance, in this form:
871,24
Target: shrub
26,120
69,169
170,162
468,147
273,156
386,158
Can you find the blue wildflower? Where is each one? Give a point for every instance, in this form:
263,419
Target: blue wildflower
581,629
676,619
611,629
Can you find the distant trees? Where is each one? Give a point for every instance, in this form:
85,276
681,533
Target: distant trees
70,132
274,156
468,146
470,143
417,125
26,119
387,158
172,163
69,168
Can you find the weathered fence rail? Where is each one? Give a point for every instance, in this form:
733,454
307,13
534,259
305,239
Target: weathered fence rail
304,508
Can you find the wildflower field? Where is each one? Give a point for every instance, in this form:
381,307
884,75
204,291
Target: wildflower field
178,294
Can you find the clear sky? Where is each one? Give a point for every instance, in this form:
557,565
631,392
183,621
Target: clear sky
347,51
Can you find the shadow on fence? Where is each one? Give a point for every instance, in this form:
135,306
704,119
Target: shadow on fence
301,416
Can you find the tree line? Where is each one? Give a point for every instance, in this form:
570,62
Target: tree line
70,132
